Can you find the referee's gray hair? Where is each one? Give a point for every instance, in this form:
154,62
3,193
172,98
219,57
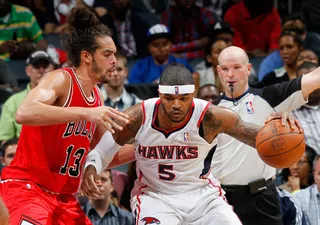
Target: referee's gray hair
315,162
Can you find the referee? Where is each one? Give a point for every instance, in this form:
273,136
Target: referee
245,178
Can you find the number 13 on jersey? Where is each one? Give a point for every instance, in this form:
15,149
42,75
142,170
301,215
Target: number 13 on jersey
74,170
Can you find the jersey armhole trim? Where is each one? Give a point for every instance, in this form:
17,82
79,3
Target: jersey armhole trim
202,114
68,100
143,113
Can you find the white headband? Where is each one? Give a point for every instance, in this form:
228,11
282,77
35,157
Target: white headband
176,89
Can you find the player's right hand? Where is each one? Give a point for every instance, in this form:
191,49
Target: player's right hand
90,182
106,116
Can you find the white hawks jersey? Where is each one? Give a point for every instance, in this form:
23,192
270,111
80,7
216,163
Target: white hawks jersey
176,160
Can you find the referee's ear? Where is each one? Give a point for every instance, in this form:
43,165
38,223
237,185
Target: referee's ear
249,67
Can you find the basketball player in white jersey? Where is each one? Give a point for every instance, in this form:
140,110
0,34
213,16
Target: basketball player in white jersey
174,140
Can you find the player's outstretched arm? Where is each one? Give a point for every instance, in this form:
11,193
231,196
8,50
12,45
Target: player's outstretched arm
310,82
223,120
109,145
42,105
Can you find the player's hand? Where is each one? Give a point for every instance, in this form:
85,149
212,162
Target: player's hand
106,116
90,182
285,116
9,47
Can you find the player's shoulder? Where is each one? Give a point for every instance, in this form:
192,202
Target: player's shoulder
58,75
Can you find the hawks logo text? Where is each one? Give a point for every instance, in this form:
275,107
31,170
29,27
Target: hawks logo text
150,220
168,152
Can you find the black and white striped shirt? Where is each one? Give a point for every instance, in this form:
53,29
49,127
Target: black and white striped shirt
309,117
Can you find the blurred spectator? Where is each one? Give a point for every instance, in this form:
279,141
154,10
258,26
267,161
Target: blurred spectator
256,26
148,70
101,211
57,12
290,209
209,75
311,11
299,175
126,196
210,93
223,30
7,77
290,46
220,30
309,114
309,198
189,25
37,64
215,6
306,55
114,93
8,150
20,33
293,22
119,20
145,14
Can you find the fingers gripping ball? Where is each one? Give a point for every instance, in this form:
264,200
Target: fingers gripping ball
280,146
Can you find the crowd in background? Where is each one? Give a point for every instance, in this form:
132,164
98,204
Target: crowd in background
149,36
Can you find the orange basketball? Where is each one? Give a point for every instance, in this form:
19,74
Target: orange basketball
280,146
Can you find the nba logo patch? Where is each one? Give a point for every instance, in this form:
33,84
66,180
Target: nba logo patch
249,106
186,136
176,89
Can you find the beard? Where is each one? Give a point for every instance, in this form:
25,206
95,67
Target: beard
173,119
103,78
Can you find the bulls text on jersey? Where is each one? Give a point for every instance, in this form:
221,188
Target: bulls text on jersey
79,128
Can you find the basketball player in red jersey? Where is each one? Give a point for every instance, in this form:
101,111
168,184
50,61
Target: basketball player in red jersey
59,119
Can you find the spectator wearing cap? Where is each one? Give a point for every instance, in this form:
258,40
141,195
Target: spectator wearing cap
189,25
37,64
8,150
222,30
20,33
148,70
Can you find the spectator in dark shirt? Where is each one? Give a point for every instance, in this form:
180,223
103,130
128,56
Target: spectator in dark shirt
189,25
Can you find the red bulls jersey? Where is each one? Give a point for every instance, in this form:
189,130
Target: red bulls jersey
53,156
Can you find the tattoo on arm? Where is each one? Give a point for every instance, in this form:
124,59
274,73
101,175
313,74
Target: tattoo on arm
130,130
244,132
136,117
211,122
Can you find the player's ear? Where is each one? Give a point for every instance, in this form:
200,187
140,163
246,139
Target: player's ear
86,57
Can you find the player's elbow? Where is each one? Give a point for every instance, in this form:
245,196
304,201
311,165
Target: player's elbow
23,115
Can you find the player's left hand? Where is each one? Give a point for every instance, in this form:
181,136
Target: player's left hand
285,116
90,182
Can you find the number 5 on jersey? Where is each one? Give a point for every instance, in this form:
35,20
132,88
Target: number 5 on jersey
74,170
165,172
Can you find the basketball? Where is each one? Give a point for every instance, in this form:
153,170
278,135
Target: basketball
280,146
